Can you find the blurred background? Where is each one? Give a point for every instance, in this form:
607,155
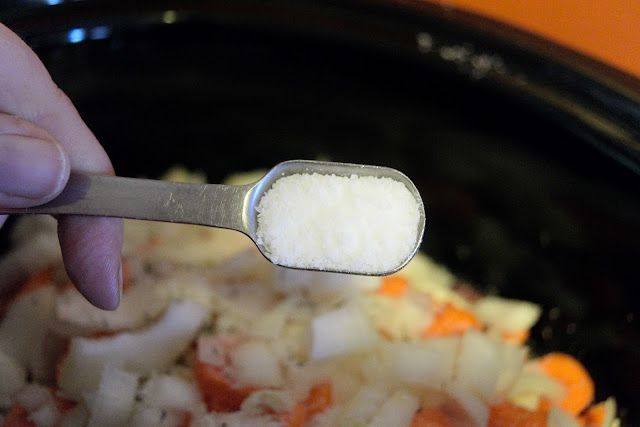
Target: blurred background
518,121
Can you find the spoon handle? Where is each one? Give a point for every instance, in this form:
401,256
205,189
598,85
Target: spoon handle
203,204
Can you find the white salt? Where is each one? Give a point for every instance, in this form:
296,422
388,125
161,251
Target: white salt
360,224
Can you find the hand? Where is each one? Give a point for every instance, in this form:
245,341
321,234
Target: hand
42,138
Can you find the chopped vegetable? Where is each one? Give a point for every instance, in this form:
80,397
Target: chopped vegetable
218,392
394,286
431,417
210,333
507,414
340,331
452,321
577,382
141,352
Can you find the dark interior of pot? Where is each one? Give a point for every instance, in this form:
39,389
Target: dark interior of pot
518,202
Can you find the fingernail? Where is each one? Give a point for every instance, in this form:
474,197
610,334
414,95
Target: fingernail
31,168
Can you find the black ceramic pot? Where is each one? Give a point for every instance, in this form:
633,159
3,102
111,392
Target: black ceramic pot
527,155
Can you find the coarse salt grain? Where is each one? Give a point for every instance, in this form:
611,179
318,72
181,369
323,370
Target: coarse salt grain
360,224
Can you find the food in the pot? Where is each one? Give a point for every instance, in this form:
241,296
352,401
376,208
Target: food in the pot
340,223
209,333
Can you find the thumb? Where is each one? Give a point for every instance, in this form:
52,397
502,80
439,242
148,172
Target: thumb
34,167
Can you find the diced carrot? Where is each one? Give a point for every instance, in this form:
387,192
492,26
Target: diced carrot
452,321
218,392
569,372
594,415
18,417
186,420
320,398
297,417
508,414
126,275
394,286
34,281
516,337
431,417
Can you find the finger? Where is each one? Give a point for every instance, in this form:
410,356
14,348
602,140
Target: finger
28,92
97,264
33,166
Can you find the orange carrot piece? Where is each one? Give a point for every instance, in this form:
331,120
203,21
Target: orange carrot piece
297,417
594,415
217,391
451,321
186,420
431,417
508,414
18,417
320,398
569,372
394,286
126,275
516,337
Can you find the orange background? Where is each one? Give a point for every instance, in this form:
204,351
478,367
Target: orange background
608,30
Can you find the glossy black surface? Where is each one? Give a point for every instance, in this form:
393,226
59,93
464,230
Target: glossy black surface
527,161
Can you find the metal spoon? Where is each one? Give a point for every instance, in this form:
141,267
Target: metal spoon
216,205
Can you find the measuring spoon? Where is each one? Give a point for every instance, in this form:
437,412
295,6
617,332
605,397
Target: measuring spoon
225,206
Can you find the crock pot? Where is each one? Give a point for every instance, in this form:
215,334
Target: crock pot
527,155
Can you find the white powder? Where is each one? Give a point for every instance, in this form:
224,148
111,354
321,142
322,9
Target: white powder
360,224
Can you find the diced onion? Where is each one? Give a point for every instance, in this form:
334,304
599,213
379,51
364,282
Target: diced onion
397,411
473,406
112,403
141,352
256,365
478,365
342,330
13,377
507,314
170,392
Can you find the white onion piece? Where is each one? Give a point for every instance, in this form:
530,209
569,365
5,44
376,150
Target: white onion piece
13,377
170,392
507,314
75,315
478,364
429,363
511,364
531,386
112,403
559,418
321,282
39,403
145,416
140,352
472,405
362,407
610,410
343,330
24,330
271,323
264,402
397,411
256,365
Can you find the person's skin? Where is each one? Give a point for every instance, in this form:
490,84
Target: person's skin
42,138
